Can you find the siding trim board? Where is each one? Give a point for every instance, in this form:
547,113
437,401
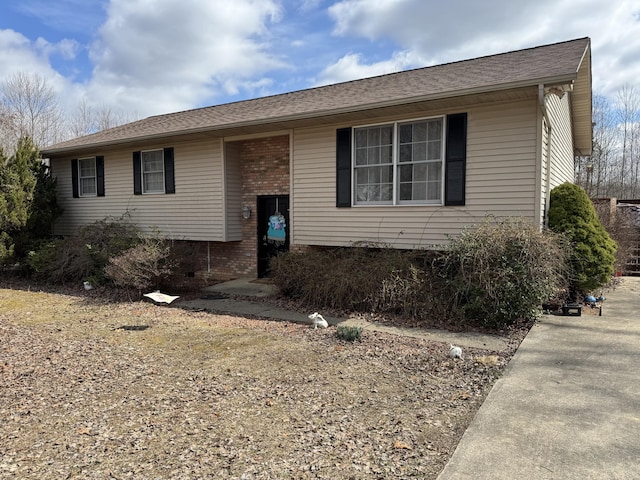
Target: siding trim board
455,160
100,176
74,178
343,167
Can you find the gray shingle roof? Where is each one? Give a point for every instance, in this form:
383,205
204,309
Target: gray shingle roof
545,64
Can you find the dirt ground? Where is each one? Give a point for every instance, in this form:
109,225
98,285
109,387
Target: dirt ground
93,389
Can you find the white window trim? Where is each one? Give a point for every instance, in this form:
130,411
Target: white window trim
396,180
81,192
142,173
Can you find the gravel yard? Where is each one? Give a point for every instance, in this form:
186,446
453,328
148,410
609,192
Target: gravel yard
91,389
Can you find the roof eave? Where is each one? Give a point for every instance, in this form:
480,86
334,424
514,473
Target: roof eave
317,113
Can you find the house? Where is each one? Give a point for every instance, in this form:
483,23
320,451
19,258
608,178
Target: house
407,159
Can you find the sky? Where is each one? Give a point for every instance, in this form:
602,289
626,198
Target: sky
149,57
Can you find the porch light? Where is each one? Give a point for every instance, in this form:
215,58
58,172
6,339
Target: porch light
246,212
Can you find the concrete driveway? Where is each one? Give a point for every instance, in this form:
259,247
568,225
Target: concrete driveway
568,405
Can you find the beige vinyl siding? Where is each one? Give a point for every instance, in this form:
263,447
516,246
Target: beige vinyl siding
562,154
557,164
501,181
194,212
233,192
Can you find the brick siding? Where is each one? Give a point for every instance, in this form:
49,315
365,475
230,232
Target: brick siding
264,171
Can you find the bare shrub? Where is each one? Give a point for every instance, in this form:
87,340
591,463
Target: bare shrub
142,266
84,255
491,275
501,272
621,227
340,278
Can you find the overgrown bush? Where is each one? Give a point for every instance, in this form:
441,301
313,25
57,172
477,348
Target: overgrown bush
142,266
501,272
593,250
339,278
83,256
493,275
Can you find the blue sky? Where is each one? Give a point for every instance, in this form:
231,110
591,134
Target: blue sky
147,57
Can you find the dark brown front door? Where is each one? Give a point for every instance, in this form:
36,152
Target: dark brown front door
273,230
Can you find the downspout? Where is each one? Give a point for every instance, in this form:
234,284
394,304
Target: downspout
545,115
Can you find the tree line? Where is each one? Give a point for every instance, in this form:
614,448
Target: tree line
613,168
30,108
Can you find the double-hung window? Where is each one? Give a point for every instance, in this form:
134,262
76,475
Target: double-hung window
87,179
399,163
152,171
373,169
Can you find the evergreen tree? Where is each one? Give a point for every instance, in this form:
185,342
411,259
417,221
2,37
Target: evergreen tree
28,204
593,254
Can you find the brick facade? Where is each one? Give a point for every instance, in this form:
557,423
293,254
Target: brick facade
264,171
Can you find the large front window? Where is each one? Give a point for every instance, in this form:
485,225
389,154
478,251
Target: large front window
399,163
152,171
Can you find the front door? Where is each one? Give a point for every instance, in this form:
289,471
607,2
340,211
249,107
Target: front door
273,230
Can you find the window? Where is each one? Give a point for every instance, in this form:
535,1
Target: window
399,163
374,164
152,172
87,177
420,162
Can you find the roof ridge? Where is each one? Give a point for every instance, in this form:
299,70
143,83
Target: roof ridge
363,79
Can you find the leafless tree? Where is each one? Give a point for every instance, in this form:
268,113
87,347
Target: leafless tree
613,169
87,119
628,116
601,174
82,120
30,107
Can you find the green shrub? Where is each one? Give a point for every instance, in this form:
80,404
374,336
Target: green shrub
593,251
349,333
39,261
501,272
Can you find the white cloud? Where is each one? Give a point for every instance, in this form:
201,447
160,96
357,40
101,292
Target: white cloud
350,67
19,54
153,57
66,48
173,55
438,32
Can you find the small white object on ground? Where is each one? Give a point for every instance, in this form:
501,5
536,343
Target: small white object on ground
455,352
160,297
87,286
318,321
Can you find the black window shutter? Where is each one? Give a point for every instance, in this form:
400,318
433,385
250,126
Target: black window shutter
343,167
100,176
169,177
456,159
74,178
137,174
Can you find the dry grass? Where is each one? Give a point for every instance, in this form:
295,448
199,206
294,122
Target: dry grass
195,395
